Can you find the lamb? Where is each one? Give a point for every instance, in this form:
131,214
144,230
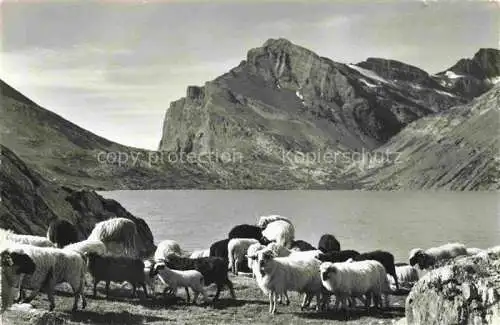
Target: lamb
165,248
200,253
118,234
25,239
213,269
277,275
52,266
337,257
117,269
248,231
355,280
87,246
280,231
237,249
302,245
385,258
62,233
328,243
219,249
265,220
426,259
176,278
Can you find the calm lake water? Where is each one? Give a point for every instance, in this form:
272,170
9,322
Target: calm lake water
393,221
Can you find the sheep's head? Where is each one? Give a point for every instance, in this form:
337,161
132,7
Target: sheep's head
23,263
418,256
156,267
264,257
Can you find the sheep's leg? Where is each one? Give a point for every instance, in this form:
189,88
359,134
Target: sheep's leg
134,290
20,294
107,289
231,288
50,296
195,296
145,289
287,300
77,297
95,287
319,304
217,293
187,295
270,296
275,301
396,281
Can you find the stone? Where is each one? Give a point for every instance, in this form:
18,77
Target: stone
457,293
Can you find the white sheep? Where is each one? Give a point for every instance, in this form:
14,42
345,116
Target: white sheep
51,266
348,280
280,231
406,274
25,239
87,246
237,249
277,275
176,278
200,253
165,248
118,234
431,256
265,220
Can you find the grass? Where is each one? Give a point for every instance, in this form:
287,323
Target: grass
250,308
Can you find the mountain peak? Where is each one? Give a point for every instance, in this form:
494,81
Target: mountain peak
277,42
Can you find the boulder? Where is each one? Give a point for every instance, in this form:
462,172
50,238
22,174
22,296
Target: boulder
464,291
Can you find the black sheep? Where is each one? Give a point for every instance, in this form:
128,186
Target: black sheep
213,269
385,258
219,249
62,232
302,246
116,269
328,243
248,231
337,257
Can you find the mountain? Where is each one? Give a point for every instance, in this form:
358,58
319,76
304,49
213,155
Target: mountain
285,97
456,150
472,77
30,202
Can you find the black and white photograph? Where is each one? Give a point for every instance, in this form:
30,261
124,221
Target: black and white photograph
250,162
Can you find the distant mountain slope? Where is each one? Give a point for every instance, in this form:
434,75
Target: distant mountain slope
30,202
64,152
456,150
285,97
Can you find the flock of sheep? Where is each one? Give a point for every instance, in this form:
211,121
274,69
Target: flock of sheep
268,250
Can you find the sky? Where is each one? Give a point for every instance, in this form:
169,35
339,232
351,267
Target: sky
113,67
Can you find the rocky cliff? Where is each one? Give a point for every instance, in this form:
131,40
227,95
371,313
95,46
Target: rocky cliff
472,77
29,203
285,97
456,150
466,291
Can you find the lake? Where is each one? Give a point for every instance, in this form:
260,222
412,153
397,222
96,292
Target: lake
393,221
